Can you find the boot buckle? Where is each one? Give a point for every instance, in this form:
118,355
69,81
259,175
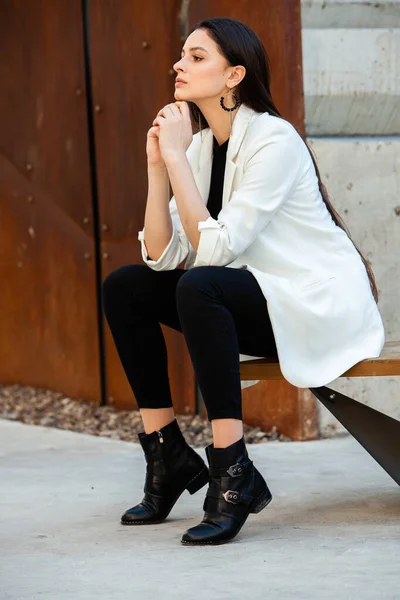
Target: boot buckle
235,470
231,496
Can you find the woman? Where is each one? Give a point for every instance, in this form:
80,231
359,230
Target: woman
248,196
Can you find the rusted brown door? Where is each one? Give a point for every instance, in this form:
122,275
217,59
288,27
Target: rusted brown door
49,325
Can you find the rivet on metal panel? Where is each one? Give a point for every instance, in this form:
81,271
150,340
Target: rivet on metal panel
85,220
29,167
97,108
104,227
30,199
397,210
145,45
86,256
106,255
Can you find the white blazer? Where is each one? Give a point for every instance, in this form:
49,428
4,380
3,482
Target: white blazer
274,222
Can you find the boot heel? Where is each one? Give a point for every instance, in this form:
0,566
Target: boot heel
261,501
198,481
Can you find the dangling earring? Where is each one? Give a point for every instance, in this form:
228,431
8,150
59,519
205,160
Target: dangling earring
230,110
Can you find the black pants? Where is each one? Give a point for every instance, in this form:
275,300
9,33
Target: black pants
221,312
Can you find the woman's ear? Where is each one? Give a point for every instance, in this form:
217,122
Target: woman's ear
237,75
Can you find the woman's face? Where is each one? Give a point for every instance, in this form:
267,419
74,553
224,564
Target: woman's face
203,69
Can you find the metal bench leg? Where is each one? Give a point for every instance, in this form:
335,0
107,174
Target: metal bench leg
376,432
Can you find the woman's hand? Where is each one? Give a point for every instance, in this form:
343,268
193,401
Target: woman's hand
174,130
154,157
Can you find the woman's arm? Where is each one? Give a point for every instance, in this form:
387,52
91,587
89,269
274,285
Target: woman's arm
187,196
166,244
166,241
157,220
176,143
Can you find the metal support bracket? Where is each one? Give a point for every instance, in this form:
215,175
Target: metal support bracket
375,431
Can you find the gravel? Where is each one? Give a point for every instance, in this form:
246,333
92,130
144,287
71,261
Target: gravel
36,406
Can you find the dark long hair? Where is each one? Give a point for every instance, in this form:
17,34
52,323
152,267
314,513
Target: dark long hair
241,46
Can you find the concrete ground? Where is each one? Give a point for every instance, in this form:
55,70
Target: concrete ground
332,530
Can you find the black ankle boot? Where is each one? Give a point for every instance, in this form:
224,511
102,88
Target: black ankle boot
236,489
172,467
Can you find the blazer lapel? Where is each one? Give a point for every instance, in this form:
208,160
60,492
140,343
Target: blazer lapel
202,174
242,120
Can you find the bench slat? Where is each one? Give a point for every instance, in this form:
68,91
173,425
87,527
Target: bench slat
388,363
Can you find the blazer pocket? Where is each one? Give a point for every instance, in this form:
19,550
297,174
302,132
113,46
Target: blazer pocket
305,284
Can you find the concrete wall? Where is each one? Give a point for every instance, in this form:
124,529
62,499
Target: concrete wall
351,62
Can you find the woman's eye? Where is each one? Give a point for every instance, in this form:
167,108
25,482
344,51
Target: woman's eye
196,58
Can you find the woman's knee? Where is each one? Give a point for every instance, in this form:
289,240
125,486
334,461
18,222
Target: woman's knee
118,281
192,284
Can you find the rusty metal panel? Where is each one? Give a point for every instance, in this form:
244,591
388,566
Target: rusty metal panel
132,48
49,302
271,403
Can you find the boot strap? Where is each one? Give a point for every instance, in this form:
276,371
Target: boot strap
235,470
231,497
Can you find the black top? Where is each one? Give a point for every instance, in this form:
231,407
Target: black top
214,202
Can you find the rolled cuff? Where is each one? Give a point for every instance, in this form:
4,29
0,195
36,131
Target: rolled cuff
165,258
210,231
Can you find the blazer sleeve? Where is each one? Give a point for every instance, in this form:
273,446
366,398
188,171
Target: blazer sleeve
177,248
270,174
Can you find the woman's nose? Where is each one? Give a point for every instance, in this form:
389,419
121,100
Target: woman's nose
177,66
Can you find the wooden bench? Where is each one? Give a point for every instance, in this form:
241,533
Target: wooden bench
378,433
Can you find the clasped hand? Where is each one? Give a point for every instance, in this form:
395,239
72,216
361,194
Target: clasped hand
173,128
